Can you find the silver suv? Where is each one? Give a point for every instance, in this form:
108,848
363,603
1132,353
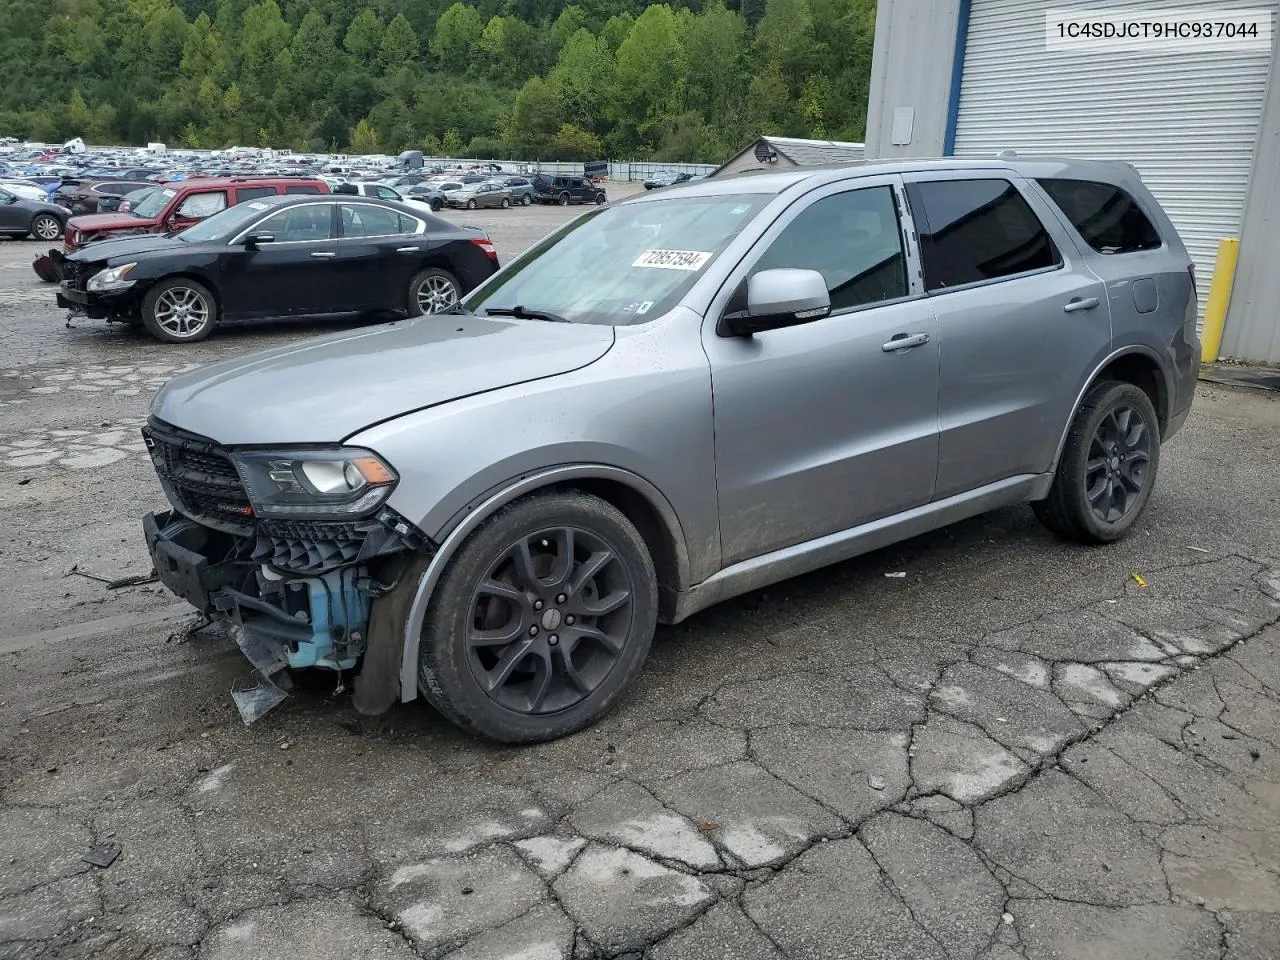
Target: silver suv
668,402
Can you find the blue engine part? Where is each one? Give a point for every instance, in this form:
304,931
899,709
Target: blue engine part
339,620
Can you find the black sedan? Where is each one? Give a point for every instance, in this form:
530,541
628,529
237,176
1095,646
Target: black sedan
275,257
20,217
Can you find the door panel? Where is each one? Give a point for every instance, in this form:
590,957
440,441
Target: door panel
291,276
1020,317
817,427
375,261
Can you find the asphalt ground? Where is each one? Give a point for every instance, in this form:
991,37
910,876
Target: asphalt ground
1017,749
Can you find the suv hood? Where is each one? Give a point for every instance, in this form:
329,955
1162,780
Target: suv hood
110,221
323,391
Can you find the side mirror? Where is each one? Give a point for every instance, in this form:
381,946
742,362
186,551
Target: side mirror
252,241
785,297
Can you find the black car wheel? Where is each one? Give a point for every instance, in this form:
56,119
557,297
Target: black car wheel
600,198
471,204
437,205
506,202
526,200
1108,466
46,226
433,291
542,619
179,311
564,199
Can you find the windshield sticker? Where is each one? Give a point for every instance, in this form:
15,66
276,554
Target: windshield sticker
644,307
673,259
258,205
740,209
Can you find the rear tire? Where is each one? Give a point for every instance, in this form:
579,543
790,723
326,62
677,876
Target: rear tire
437,206
1108,466
565,665
432,291
179,310
526,200
564,199
45,226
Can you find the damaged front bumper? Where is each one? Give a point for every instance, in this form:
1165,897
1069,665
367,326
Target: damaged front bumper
314,615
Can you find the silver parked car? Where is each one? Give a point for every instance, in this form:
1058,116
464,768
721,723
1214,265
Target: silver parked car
484,194
671,401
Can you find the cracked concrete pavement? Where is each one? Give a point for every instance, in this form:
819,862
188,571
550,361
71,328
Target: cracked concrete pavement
1014,751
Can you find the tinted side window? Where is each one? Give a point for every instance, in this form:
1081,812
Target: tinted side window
302,188
1108,218
366,220
972,230
853,240
408,224
252,193
308,222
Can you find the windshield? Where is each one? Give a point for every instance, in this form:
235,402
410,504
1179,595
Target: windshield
621,265
154,204
225,223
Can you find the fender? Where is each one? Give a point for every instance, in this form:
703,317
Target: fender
486,508
1142,349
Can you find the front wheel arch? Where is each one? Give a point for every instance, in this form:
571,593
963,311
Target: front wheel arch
638,499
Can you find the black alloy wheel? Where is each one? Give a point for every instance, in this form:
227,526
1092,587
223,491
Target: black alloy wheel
1117,467
549,620
1108,466
542,619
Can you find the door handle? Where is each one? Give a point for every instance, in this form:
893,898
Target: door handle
1077,304
407,249
905,341
324,254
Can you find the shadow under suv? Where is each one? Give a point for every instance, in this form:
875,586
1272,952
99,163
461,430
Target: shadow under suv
668,402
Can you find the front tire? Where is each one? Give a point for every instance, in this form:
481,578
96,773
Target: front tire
45,226
437,206
600,198
541,620
506,203
432,291
1108,466
179,310
471,204
526,200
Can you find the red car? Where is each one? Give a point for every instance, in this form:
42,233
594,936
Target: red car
172,207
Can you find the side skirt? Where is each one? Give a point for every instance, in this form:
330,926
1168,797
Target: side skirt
800,558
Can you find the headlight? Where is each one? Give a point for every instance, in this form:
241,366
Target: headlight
113,279
342,483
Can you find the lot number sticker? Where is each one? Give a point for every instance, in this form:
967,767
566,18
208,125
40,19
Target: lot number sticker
673,259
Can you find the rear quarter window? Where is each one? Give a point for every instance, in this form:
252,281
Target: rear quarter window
306,188
976,230
1108,217
252,193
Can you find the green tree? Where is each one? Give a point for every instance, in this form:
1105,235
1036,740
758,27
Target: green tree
785,40
535,118
584,69
451,145
363,139
399,44
363,39
717,72
646,78
574,143
457,32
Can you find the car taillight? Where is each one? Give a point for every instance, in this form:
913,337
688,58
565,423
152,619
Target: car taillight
487,246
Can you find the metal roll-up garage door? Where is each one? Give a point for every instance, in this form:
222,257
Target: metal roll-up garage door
1186,119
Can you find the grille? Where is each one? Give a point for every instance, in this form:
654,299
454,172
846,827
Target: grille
307,547
199,478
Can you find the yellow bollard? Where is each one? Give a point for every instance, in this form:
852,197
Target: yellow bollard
1215,311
